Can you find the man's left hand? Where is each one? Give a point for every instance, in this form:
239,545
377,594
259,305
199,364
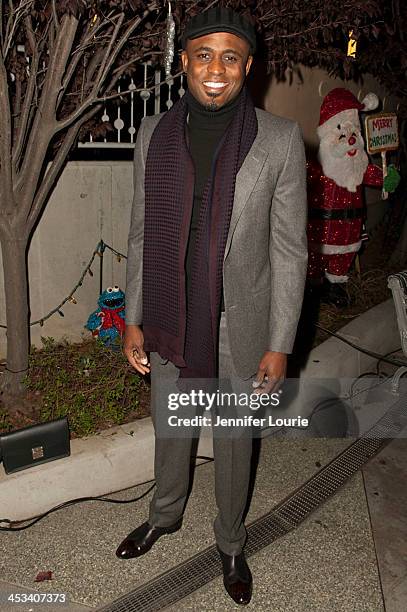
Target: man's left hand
274,366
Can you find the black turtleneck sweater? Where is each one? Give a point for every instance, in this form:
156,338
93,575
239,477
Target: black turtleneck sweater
205,130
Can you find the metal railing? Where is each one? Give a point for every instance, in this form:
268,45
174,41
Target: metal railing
124,114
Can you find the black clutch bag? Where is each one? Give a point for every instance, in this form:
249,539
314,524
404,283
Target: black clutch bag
35,444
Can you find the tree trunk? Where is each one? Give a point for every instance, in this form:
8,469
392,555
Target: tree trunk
16,293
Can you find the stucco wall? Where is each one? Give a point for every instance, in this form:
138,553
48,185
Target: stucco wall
92,201
301,99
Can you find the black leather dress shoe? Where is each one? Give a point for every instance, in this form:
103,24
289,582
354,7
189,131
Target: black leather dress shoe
139,541
237,577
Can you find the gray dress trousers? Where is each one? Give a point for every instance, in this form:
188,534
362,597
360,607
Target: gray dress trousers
232,455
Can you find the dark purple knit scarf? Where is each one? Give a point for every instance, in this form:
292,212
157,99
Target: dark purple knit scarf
188,336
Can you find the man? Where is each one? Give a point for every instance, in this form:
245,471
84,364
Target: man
216,265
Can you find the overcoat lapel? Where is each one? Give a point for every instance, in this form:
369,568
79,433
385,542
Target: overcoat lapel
246,179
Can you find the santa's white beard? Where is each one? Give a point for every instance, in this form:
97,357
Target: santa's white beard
337,165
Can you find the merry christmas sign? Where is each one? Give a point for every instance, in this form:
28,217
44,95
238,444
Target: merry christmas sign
382,133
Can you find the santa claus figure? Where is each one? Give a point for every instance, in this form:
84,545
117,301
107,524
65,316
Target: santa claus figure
336,208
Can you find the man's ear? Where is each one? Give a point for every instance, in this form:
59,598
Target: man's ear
249,63
184,60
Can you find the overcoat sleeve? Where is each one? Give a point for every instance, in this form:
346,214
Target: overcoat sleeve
134,271
288,246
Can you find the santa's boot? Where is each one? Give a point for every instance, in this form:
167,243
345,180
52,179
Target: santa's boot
336,294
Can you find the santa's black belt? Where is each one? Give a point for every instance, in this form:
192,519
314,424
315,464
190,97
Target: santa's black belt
342,214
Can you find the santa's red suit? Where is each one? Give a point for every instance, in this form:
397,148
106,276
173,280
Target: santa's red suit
336,217
336,209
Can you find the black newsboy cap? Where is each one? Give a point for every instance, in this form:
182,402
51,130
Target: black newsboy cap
220,19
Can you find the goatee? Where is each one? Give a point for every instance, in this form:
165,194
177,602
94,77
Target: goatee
212,106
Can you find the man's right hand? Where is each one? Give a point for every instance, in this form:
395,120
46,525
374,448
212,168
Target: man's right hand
133,349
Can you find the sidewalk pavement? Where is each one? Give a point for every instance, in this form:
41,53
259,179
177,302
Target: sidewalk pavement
328,564
385,482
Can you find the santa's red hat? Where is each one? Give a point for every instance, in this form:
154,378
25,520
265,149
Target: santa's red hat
340,99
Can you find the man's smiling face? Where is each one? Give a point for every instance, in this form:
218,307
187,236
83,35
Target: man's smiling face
216,66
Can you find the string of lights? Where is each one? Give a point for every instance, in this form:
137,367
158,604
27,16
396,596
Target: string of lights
99,251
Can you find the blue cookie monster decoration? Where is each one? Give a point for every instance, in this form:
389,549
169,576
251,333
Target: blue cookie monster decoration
107,322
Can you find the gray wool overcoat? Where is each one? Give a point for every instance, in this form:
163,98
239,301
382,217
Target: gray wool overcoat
266,251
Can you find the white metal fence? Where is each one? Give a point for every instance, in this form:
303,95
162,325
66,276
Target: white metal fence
124,114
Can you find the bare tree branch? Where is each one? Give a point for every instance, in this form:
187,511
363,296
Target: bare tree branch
107,62
1,26
14,18
312,28
123,40
91,68
9,26
88,40
45,121
108,53
56,69
23,120
55,168
18,99
30,34
52,34
6,186
54,14
120,69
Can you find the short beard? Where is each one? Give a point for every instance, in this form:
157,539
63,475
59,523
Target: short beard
212,105
346,171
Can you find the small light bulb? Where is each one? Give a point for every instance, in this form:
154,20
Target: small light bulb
352,44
